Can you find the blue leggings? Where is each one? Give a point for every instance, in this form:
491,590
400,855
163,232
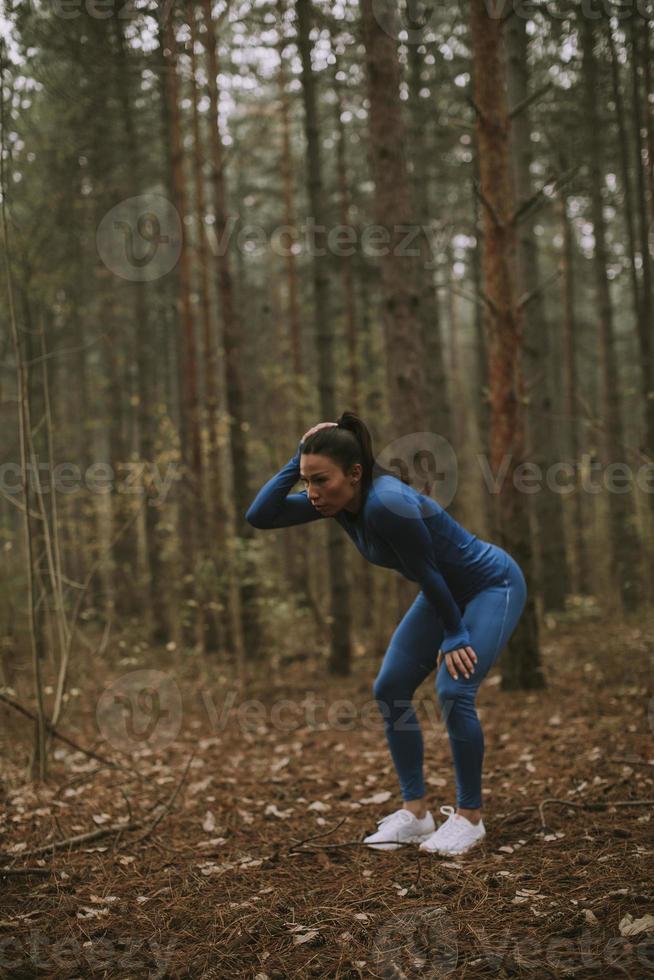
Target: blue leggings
490,616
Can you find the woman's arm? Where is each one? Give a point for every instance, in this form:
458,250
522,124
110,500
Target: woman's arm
402,526
274,506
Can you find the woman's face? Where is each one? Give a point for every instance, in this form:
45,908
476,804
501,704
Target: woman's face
329,489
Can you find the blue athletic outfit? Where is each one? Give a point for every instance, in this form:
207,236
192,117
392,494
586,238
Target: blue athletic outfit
472,594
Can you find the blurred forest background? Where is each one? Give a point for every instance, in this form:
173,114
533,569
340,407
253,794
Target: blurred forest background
227,221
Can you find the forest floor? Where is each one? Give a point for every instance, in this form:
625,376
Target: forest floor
244,857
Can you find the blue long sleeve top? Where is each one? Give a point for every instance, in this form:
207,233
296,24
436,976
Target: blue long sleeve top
397,527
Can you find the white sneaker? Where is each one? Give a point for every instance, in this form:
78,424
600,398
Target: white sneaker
400,827
455,836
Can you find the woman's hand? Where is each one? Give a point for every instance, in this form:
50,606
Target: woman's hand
321,425
464,659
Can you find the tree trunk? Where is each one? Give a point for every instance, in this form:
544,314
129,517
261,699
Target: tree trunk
640,42
362,571
482,403
521,660
438,415
550,569
340,656
244,614
146,357
623,544
401,287
297,556
191,483
581,572
346,261
649,114
402,277
209,625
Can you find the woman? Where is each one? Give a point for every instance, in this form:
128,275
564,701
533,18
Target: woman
472,595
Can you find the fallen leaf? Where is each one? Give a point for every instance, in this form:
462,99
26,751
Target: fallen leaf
378,797
633,927
273,811
306,937
88,913
209,822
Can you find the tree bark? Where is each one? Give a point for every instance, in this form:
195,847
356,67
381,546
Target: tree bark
438,415
547,513
521,660
191,456
640,41
580,569
297,558
623,544
212,484
145,365
402,279
393,212
340,656
244,615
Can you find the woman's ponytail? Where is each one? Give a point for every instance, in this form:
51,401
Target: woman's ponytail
348,442
355,425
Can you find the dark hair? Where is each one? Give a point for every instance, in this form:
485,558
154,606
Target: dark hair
347,443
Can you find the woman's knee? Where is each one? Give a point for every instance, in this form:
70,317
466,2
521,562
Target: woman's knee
389,686
449,690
